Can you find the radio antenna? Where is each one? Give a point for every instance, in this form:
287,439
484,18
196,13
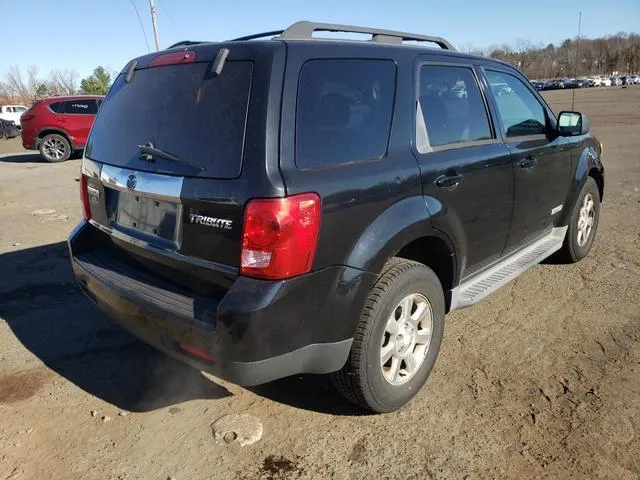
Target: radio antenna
575,68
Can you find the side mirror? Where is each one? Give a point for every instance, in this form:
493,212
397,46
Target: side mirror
572,123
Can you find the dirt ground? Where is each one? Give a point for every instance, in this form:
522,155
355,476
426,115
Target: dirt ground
542,379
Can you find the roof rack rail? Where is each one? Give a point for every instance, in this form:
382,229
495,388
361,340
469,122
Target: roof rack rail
304,31
258,35
184,43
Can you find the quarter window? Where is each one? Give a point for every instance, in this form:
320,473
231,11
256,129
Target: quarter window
344,111
450,108
520,111
55,106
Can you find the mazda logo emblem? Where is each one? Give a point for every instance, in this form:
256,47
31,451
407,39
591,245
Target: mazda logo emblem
131,182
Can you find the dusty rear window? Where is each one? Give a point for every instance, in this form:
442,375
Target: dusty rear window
184,110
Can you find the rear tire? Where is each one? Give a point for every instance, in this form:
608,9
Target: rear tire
583,224
397,340
55,148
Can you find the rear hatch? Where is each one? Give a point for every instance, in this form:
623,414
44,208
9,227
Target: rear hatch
178,147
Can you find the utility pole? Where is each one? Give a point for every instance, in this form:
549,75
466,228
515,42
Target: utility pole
154,21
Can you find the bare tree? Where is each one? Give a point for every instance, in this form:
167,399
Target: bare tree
523,53
16,85
21,87
64,82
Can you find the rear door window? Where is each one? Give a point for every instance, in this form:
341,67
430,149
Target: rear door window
451,109
344,111
184,110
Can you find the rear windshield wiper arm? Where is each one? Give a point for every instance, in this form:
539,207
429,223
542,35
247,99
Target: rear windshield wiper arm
149,152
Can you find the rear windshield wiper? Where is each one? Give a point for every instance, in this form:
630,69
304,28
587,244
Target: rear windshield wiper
149,152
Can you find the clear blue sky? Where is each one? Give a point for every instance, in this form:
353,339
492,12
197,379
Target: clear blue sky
82,34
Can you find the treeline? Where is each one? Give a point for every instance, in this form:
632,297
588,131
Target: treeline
612,55
26,87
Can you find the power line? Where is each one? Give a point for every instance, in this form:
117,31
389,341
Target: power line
166,11
141,25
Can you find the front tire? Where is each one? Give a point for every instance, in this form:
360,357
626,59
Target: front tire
55,148
583,224
397,340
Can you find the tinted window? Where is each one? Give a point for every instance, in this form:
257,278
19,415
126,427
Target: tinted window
184,110
344,111
55,106
451,107
520,111
81,107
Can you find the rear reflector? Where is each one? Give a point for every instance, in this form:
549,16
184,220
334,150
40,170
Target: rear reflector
173,59
196,352
84,197
280,236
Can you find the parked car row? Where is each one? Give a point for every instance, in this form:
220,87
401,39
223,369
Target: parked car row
561,83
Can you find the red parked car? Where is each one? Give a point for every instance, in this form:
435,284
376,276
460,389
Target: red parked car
59,126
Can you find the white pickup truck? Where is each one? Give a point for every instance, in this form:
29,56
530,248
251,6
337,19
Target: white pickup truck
12,112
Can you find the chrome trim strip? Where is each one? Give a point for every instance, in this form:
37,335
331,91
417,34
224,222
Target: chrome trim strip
152,185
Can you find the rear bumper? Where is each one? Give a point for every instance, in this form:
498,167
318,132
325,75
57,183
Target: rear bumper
28,141
256,332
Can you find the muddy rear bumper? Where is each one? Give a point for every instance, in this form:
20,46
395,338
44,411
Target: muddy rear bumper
256,332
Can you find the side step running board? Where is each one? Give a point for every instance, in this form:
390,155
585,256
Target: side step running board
477,288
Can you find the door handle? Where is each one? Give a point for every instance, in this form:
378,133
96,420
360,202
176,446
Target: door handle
448,181
527,163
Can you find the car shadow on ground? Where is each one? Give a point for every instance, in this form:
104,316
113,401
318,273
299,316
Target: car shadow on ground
48,314
314,393
21,157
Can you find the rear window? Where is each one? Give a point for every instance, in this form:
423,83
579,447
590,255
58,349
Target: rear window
184,110
344,111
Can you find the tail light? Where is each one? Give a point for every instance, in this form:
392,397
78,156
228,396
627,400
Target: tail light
280,236
84,197
25,117
173,59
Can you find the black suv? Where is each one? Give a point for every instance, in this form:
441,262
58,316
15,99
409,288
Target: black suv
264,207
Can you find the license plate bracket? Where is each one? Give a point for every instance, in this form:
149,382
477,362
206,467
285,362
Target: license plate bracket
144,216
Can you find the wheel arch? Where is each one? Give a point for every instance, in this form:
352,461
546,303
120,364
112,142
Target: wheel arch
598,176
437,254
405,230
588,165
52,130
